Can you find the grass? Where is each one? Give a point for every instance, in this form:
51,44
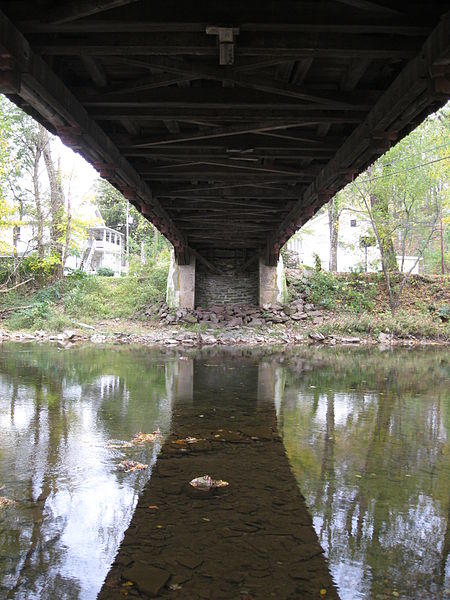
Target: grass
402,325
88,298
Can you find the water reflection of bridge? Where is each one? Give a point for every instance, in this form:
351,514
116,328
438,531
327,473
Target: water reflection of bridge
254,538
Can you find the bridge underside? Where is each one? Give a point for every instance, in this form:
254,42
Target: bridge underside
227,124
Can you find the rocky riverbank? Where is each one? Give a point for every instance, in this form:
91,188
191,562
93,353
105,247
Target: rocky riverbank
299,323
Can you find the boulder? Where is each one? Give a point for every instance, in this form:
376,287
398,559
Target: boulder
150,580
316,336
190,319
235,321
208,340
299,317
98,338
385,338
257,322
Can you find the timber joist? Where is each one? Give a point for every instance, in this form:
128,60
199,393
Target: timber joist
227,124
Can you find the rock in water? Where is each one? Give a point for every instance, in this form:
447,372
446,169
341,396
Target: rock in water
150,580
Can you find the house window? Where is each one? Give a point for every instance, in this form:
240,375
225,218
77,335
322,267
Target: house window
353,223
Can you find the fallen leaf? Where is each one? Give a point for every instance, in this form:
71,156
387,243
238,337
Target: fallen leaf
146,438
6,502
129,466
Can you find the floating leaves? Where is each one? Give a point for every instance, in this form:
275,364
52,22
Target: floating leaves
119,444
139,440
130,466
146,438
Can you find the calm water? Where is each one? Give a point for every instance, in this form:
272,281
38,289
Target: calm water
366,435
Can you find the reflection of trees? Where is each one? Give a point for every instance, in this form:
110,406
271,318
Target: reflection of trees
367,446
52,399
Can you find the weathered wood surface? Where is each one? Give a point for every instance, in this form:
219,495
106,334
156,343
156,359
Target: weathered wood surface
316,92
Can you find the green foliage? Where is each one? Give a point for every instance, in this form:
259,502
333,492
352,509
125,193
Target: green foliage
105,272
144,286
355,293
403,325
89,298
41,267
444,313
317,263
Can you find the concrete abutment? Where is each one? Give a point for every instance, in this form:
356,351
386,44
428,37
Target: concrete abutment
232,282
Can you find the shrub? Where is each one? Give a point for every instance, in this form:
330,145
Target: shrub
33,317
354,292
105,272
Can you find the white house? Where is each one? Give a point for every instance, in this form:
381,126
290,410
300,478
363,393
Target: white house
314,239
105,248
100,247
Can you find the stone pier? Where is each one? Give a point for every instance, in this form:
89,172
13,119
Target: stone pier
227,280
181,284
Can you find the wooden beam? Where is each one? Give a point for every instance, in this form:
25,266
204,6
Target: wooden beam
95,71
216,133
235,113
77,9
47,94
149,82
373,7
353,73
228,196
408,94
409,25
248,168
301,70
172,126
283,88
282,46
151,177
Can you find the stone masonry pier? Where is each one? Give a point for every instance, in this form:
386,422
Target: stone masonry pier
226,281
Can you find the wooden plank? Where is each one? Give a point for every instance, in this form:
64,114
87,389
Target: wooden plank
249,113
77,9
287,45
325,24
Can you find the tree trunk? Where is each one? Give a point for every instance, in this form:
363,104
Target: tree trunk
56,202
380,212
37,197
68,231
333,222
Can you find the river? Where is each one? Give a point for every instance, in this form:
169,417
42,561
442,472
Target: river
364,435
